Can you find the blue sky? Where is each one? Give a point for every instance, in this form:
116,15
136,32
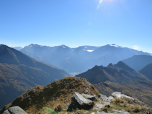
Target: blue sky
126,23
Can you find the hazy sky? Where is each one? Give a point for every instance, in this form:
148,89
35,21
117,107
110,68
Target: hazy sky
126,23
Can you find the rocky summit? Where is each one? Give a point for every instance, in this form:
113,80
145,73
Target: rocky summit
57,93
73,95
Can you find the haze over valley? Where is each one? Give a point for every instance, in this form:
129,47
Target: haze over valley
82,58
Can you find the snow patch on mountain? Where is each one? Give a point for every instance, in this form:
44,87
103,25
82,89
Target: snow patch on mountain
90,50
114,45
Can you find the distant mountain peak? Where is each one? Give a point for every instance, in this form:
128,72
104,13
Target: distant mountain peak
33,45
95,66
113,45
2,46
110,65
64,46
114,73
121,64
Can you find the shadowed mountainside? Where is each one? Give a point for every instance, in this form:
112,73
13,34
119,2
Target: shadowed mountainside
18,73
120,77
147,71
137,62
17,48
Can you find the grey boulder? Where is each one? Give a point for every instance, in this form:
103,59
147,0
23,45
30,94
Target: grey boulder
14,110
89,96
80,99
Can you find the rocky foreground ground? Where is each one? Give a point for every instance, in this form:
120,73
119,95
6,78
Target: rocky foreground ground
73,96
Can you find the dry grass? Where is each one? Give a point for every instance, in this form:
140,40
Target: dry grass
130,105
52,95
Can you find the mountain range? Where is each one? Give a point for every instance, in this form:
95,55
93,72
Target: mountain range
19,72
120,77
81,58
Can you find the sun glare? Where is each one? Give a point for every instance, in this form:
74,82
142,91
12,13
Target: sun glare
101,1
106,0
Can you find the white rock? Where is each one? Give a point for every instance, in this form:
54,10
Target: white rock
80,99
110,98
92,113
119,95
14,110
104,97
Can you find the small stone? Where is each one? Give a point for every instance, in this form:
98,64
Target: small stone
67,105
58,108
108,106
